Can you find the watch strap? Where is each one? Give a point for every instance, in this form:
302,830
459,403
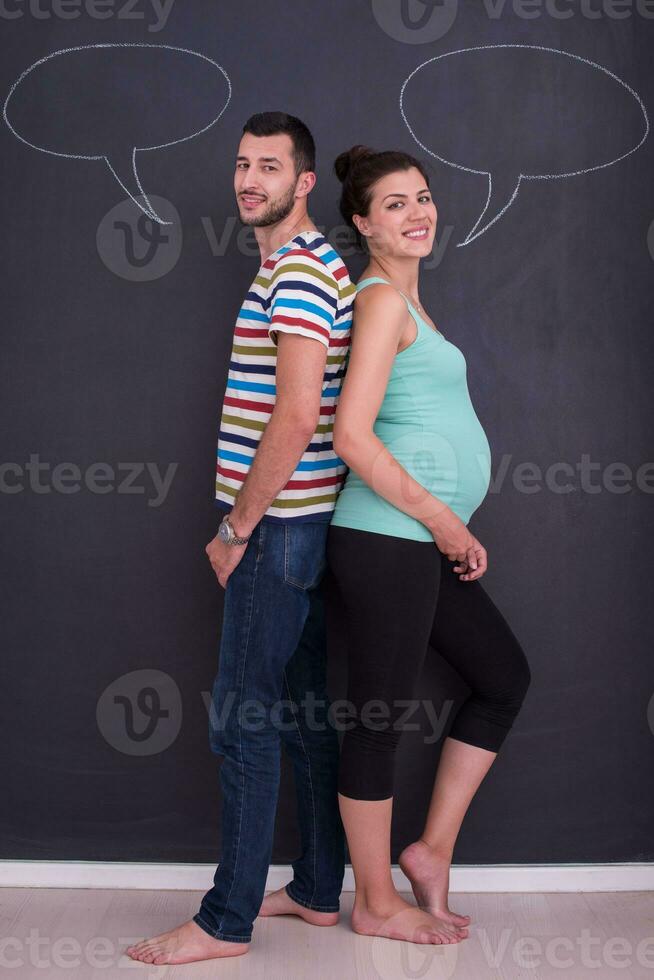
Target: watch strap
234,538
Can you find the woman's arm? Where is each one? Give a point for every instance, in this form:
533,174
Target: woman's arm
379,321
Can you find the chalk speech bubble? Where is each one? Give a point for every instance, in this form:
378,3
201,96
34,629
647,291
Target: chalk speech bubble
100,99
513,94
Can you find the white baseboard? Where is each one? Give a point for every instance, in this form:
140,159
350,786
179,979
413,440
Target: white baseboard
198,877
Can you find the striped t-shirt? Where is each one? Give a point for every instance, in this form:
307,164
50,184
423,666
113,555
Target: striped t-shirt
302,288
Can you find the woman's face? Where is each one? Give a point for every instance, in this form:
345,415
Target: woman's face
401,219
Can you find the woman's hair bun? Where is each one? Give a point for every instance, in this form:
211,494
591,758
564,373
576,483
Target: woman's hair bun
344,162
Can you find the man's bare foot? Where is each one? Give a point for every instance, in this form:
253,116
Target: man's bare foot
185,944
397,919
429,874
281,903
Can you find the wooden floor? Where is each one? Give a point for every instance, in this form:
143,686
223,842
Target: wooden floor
45,932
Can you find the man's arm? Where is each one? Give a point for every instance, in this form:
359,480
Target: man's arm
300,370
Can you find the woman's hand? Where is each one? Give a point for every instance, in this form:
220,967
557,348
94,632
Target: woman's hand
480,566
453,538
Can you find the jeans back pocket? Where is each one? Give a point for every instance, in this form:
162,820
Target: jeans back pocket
304,553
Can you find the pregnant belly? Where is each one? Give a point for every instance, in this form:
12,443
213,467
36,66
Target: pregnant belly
451,462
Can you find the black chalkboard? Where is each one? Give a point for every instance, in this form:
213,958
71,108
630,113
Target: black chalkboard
124,266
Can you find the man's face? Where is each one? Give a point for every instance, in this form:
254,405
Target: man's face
265,179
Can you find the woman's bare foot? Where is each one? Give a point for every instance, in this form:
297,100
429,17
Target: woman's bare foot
185,944
281,903
397,919
429,874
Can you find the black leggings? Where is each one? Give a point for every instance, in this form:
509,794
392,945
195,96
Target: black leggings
393,597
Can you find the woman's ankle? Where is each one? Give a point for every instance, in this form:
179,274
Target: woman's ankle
377,901
437,848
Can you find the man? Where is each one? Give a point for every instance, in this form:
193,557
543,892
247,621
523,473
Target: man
276,484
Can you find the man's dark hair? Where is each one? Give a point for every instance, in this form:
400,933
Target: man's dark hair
271,123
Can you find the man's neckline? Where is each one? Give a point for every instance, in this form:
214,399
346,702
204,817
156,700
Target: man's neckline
303,234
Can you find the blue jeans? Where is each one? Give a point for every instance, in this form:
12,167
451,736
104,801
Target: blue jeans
271,689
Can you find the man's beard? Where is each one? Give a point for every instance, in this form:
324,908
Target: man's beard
277,211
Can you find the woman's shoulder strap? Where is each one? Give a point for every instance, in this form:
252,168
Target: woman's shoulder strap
362,283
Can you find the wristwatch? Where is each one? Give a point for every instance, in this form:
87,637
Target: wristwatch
227,533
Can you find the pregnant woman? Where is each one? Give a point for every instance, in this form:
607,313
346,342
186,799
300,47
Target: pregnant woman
403,564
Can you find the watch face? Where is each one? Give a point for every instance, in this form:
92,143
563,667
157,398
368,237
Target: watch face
223,532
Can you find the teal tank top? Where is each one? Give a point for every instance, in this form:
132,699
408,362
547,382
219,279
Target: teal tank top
428,423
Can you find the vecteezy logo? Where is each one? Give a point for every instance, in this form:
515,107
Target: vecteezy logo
135,246
415,21
517,112
650,239
95,102
414,958
140,713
